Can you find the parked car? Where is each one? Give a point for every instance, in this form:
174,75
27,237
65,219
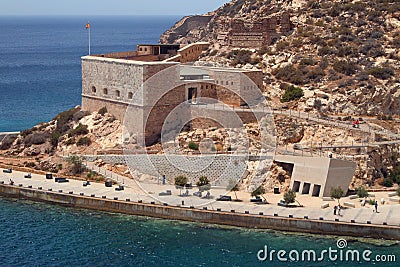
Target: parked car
61,180
224,198
167,193
119,188
9,170
256,199
28,175
108,183
197,194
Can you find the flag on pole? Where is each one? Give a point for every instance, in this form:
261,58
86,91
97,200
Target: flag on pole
88,28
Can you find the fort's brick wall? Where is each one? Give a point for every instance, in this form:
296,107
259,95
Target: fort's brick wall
257,33
115,84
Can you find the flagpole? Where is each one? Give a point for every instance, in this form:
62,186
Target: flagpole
89,37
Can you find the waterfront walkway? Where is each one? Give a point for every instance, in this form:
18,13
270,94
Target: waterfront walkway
388,212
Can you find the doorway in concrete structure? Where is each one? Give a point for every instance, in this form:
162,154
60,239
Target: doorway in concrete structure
296,186
156,51
306,188
192,95
316,190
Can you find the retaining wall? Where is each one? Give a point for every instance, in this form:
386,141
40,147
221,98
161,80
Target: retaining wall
204,216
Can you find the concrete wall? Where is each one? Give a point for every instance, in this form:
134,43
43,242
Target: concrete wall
325,172
203,216
219,169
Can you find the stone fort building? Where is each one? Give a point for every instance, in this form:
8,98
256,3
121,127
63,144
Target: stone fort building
124,83
114,80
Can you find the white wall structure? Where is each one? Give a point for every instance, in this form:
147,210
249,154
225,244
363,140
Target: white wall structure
317,176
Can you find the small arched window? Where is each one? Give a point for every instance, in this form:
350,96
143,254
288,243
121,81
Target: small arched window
105,91
130,95
118,93
94,90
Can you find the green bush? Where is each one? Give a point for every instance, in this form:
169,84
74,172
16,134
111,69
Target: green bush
102,111
398,191
361,192
81,129
290,74
345,67
289,197
240,56
84,141
70,141
63,119
387,182
292,93
259,191
381,73
193,146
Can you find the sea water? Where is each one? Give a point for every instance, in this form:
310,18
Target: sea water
38,234
40,65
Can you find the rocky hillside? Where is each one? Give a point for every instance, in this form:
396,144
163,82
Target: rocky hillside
344,55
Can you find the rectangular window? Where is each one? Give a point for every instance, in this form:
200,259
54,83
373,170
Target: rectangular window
306,188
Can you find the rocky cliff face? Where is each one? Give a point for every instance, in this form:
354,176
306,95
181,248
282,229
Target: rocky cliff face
343,54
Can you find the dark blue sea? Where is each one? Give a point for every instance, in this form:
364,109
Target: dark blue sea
40,68
40,76
37,234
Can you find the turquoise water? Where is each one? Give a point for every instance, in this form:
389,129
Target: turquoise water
40,67
37,234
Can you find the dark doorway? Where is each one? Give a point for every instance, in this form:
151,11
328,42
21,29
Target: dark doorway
316,190
192,95
306,188
156,51
296,186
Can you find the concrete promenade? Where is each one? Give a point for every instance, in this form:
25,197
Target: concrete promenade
387,213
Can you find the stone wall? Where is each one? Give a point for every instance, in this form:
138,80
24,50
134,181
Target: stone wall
191,53
219,169
260,33
205,216
124,87
116,108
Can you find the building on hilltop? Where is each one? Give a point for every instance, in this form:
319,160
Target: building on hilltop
126,83
263,32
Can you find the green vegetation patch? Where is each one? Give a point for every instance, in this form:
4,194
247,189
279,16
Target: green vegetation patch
292,93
